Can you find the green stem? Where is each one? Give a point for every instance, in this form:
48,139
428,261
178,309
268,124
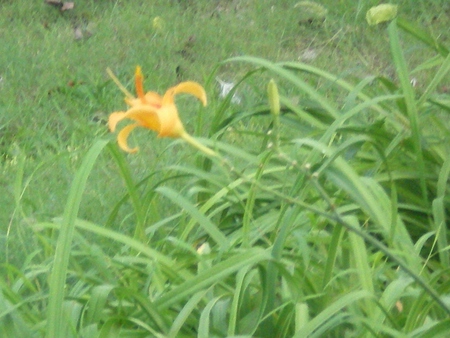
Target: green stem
193,142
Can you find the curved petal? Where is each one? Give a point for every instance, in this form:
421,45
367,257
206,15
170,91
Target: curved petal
114,118
123,136
188,87
169,122
145,116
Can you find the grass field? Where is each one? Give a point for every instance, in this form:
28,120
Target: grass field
326,218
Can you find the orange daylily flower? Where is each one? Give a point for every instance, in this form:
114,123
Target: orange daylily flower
155,112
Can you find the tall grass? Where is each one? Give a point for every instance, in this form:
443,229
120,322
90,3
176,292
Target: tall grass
325,219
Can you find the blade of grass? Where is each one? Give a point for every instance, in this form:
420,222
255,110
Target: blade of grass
332,255
96,304
236,302
422,35
202,220
411,104
203,325
12,323
439,214
301,315
343,84
344,177
219,115
251,196
72,311
132,191
282,72
390,296
361,262
184,314
437,330
153,318
127,241
286,221
55,321
441,74
213,275
326,315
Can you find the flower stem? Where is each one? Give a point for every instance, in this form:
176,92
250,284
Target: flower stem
193,142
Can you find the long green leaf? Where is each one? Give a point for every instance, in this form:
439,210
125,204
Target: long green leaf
132,191
329,312
286,74
440,75
213,275
96,304
202,220
127,241
439,213
55,320
422,35
411,104
184,314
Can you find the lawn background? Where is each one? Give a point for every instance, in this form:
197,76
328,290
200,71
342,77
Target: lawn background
55,97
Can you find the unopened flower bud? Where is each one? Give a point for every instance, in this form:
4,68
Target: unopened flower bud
274,98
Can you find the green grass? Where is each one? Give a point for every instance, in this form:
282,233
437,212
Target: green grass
327,220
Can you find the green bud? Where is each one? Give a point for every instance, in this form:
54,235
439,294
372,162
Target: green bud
274,98
381,13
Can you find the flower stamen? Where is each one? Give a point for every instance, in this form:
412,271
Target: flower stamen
139,84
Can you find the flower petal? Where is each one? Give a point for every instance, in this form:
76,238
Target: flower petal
188,87
170,124
151,98
145,116
114,118
123,136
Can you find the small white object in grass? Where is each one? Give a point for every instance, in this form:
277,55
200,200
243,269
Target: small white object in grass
225,88
308,55
413,82
204,249
78,33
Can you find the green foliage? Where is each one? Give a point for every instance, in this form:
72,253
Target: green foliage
325,214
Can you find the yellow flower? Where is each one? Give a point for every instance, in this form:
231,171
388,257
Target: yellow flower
155,112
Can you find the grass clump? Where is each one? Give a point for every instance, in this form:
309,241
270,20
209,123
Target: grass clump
323,214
